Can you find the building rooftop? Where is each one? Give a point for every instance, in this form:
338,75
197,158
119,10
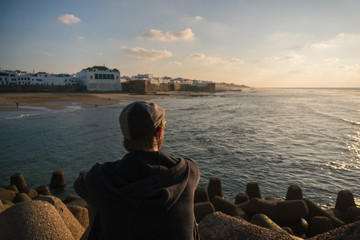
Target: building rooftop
100,68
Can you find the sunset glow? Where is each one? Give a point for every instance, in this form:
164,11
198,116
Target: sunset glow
256,43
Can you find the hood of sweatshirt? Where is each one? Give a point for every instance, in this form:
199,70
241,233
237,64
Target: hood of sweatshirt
146,181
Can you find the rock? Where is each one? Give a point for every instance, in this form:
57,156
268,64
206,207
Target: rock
334,212
214,188
270,198
344,200
264,221
21,197
201,195
219,226
290,210
57,180
253,190
288,230
298,227
202,209
71,198
43,190
81,214
7,195
280,212
33,220
7,202
32,193
6,205
12,187
245,207
2,207
351,214
228,207
92,213
315,210
18,180
319,224
70,221
346,232
294,193
238,212
241,197
257,206
79,202
223,205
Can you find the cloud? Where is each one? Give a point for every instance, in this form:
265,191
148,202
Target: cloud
196,56
321,45
210,61
350,67
155,34
271,59
175,63
198,18
330,60
48,54
69,19
101,54
80,38
236,61
291,58
147,55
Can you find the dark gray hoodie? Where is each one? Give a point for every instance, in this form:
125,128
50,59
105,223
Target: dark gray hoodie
146,195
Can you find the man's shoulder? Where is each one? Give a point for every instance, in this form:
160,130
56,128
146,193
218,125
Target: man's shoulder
190,162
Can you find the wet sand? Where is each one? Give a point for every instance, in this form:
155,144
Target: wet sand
58,101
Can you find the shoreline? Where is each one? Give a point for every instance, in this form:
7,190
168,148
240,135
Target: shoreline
60,101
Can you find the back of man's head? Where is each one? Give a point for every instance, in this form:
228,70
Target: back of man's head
139,123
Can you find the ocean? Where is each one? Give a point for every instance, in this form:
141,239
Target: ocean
276,137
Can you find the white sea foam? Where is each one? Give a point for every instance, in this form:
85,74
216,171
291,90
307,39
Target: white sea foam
352,122
21,116
73,107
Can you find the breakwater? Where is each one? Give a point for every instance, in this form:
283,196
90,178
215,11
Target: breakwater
25,213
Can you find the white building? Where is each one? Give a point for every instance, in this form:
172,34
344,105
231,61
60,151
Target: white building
100,78
8,78
41,78
150,78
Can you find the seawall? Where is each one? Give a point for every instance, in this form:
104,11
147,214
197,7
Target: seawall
249,216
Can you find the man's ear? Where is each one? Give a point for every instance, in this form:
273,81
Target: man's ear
159,132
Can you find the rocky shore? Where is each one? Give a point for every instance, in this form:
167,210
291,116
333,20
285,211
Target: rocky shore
37,214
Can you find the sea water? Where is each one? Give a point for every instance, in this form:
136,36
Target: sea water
276,137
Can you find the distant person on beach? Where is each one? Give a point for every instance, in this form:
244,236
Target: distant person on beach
147,194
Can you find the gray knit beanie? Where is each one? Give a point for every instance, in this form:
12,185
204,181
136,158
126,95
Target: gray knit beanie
139,118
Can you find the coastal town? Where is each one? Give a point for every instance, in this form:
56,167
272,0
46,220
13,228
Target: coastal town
103,79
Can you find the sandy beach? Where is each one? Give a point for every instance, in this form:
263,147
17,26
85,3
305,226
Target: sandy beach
58,101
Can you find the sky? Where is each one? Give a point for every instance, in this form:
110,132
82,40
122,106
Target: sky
259,43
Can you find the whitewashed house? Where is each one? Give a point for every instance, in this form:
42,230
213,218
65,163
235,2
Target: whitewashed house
8,78
41,78
150,79
100,78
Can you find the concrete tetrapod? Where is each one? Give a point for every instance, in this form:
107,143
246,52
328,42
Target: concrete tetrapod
219,226
71,222
33,220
